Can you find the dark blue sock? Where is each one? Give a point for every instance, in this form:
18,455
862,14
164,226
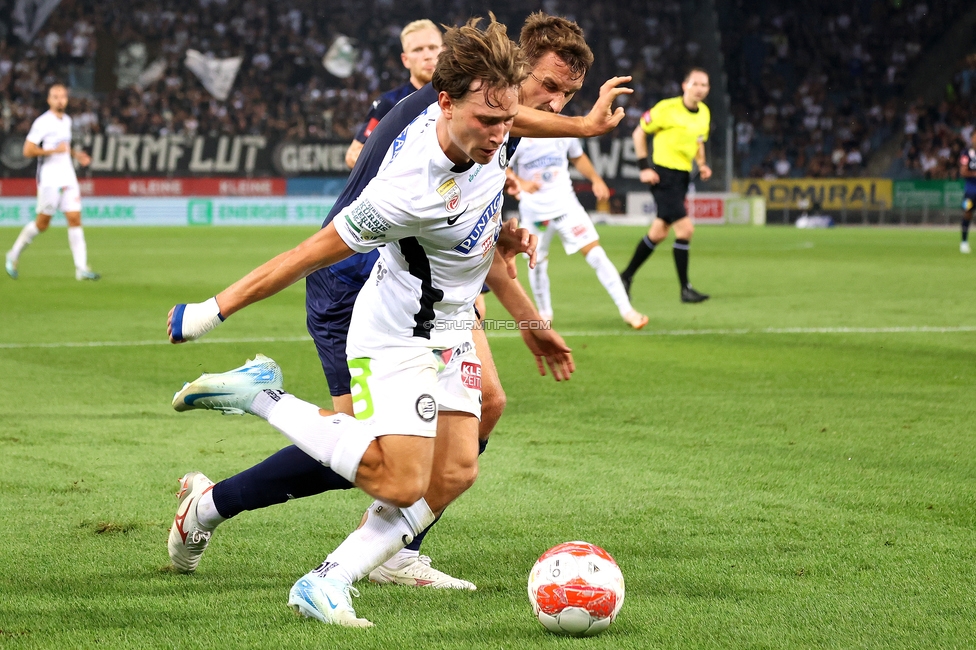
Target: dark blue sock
415,544
288,474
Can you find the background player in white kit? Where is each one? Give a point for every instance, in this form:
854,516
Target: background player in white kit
548,206
49,140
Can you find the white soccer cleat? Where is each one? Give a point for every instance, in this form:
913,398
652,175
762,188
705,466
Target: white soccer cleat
963,248
230,392
635,319
10,264
187,538
86,274
325,599
418,573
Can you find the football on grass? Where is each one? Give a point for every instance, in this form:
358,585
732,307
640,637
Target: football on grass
576,589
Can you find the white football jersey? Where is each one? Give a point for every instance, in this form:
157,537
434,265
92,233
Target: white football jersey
546,161
47,132
435,225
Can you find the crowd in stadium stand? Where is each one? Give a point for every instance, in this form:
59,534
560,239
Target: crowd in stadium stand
934,135
282,89
816,86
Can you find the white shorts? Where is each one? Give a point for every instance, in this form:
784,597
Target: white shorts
574,228
402,389
51,199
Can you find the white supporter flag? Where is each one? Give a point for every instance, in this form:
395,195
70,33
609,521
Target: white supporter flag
28,16
340,60
216,75
152,73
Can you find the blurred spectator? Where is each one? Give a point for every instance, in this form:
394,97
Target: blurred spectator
824,78
282,88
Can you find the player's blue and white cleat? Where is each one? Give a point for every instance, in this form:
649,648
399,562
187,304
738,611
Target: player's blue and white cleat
11,266
187,538
325,599
230,392
86,274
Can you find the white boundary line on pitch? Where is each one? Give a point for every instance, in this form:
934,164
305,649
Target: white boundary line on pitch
512,334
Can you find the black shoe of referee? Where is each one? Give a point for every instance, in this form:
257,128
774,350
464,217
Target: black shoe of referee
626,279
688,294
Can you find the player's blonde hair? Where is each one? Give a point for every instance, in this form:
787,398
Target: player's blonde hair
416,26
471,54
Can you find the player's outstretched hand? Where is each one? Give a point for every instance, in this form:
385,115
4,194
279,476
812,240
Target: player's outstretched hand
603,118
550,349
513,240
83,158
190,322
600,190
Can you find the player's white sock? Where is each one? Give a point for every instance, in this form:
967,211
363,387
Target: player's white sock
207,513
79,250
337,441
539,281
606,272
403,557
26,236
387,530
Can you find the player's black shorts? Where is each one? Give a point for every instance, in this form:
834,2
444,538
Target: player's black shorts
669,194
328,303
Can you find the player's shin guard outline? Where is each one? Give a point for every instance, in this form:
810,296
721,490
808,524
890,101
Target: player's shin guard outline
191,321
349,450
419,516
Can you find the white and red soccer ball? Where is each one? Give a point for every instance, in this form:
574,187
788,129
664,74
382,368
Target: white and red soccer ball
576,588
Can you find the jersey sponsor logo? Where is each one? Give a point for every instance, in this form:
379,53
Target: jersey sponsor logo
366,222
471,375
473,175
451,193
402,138
545,161
478,230
426,408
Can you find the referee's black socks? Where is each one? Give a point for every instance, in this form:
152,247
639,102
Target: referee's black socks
681,260
643,251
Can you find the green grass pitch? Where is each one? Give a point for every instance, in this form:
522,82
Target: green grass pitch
788,465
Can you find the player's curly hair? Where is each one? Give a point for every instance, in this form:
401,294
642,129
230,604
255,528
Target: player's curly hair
471,54
543,33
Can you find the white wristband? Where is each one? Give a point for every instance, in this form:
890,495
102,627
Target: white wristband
190,322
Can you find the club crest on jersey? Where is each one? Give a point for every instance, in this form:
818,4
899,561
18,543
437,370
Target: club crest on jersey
503,156
452,195
469,242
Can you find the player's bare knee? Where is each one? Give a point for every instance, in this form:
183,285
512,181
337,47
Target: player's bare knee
493,405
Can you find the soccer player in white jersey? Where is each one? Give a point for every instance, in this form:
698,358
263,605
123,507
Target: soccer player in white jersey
435,209
49,140
548,206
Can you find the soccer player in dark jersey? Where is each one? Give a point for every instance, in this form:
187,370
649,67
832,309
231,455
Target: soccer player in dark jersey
680,127
967,169
422,42
558,56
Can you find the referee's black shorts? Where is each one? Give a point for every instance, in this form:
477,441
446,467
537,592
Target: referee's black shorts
669,194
